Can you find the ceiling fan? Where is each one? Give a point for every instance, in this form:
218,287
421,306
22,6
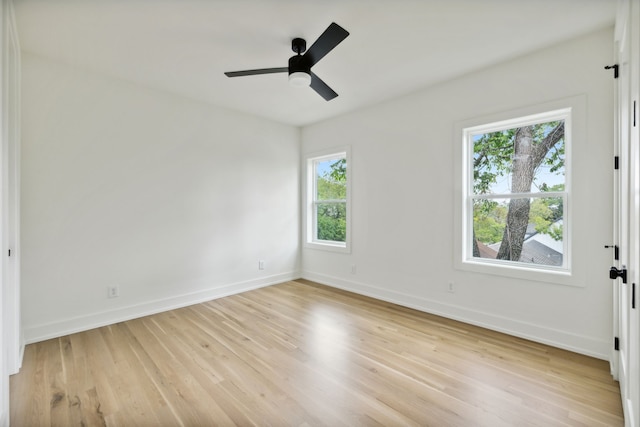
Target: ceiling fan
299,68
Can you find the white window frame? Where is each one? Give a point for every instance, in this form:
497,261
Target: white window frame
311,160
573,111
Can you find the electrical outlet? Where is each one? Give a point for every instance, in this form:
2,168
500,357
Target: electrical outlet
261,264
450,287
353,269
113,291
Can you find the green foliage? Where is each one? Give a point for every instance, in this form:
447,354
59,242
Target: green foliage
332,185
332,215
489,218
492,158
555,157
339,170
545,212
555,232
329,189
332,222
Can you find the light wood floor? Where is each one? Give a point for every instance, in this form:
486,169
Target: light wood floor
300,354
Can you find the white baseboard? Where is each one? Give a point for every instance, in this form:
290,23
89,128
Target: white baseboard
568,341
72,325
553,337
20,356
629,415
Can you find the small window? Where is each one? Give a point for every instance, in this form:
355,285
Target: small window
517,192
328,201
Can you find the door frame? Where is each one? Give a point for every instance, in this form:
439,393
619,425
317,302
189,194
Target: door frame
626,232
11,338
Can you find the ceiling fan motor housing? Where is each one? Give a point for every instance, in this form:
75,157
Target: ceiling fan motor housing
298,64
298,45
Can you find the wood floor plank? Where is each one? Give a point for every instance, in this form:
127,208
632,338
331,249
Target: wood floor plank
302,354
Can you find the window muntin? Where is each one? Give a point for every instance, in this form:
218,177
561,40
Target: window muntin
328,201
517,192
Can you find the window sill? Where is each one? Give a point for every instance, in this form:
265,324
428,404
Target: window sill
328,246
522,272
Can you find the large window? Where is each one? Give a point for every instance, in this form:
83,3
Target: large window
516,192
328,201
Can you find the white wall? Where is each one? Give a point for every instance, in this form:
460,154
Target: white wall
403,199
174,201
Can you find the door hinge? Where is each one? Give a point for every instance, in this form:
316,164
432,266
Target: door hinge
616,344
616,162
634,113
615,68
616,251
633,295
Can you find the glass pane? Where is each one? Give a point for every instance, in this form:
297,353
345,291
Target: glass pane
331,179
520,160
332,221
528,230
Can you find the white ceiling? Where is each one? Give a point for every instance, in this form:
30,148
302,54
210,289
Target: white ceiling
395,46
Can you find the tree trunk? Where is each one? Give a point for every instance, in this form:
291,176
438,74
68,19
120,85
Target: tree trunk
476,249
527,156
521,180
515,230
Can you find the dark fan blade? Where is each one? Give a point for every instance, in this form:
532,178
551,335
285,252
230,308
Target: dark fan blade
254,72
322,88
332,36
